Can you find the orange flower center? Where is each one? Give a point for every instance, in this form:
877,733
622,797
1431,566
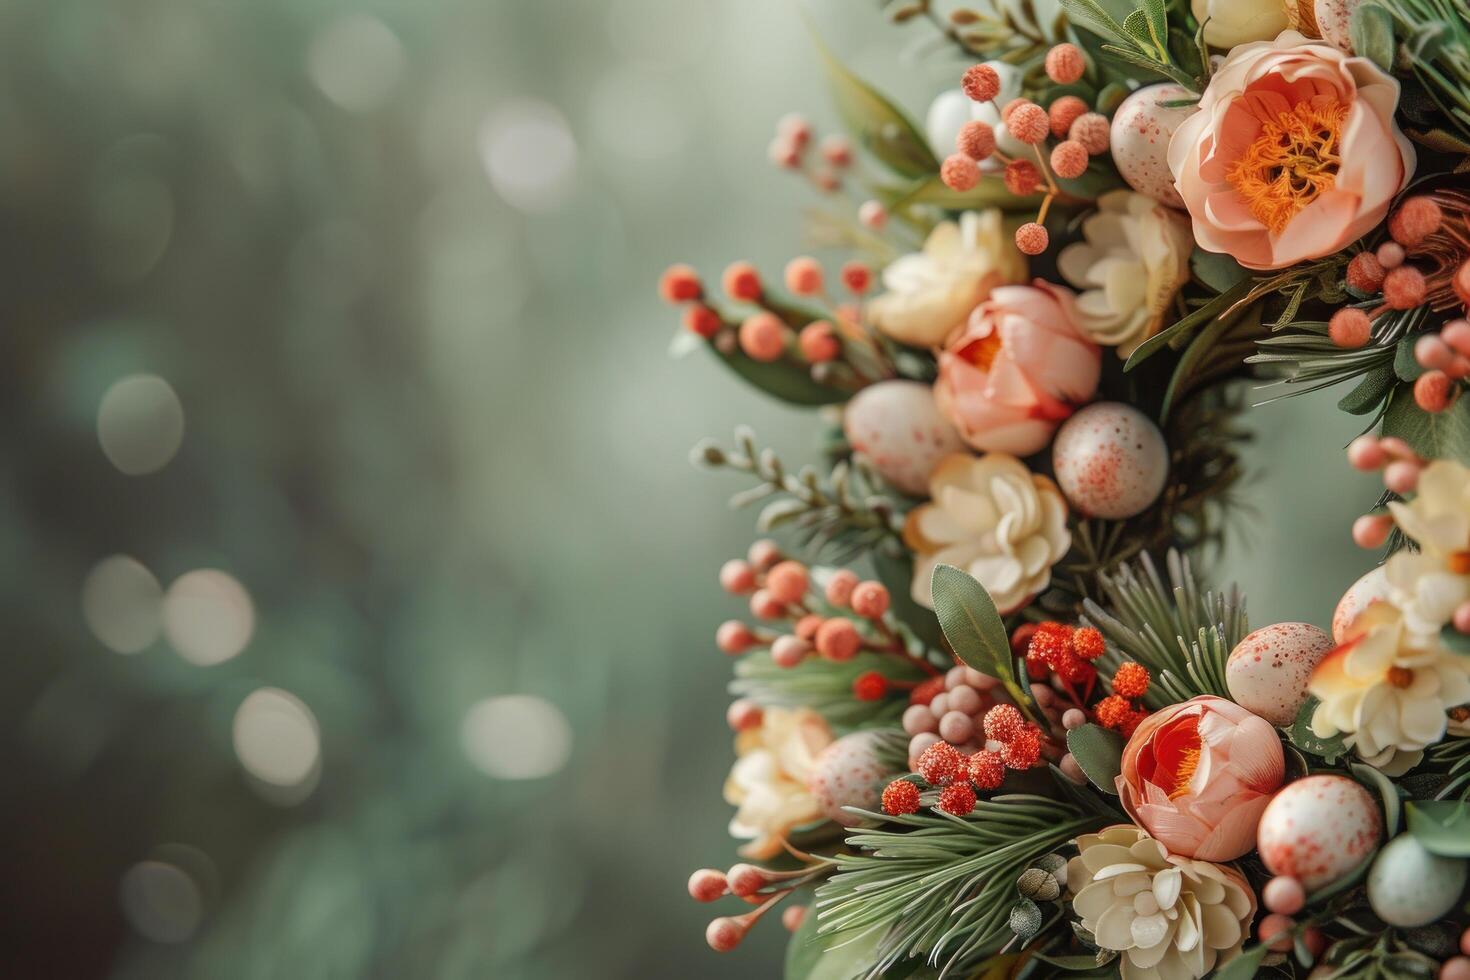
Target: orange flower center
983,352
1460,562
1293,160
1400,676
1184,772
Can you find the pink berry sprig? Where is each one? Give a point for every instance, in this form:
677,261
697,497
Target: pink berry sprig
1400,467
789,151
761,887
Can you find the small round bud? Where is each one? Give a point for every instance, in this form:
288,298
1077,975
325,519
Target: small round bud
900,797
981,83
804,276
737,577
1093,131
837,151
1009,107
1029,123
763,337
1404,288
1365,273
707,885
1275,932
939,704
1456,334
1434,391
792,917
870,600
794,127
1390,255
763,553
745,880
818,343
918,745
840,588
680,284
1364,453
1063,112
734,637
956,727
1399,449
954,677
1315,940
741,282
787,582
784,153
957,799
1088,643
724,934
1454,968
1371,530
987,769
788,651
1284,894
743,715
763,606
1072,769
1431,352
1032,238
1064,64
917,719
959,172
1022,177
702,321
1069,159
857,277
1415,220
1073,718
1349,328
1401,476
807,626
976,139
967,699
838,639
873,214
870,686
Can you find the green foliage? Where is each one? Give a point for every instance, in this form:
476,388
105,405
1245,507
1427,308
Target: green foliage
1432,435
823,686
786,380
895,569
1388,794
1181,634
1435,46
810,957
943,887
1141,39
1371,32
1100,754
876,123
1244,966
975,631
1300,734
1216,270
1442,826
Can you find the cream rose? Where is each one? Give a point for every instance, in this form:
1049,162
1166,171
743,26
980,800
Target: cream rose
768,782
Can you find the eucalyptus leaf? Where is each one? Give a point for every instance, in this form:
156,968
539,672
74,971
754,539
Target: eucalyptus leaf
1442,826
1404,364
975,631
786,380
1244,966
1216,269
1369,393
1100,754
811,957
876,123
1434,435
1371,33
897,575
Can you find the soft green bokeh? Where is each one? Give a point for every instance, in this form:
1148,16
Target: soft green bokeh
431,428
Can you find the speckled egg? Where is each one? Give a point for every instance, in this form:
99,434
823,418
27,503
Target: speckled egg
849,773
1408,886
899,428
1317,829
1110,460
1140,140
1362,593
1268,671
1334,20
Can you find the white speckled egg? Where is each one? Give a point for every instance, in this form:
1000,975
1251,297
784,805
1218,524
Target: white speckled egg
1362,593
848,773
899,428
1140,140
1408,886
1334,18
1317,829
1110,460
1268,671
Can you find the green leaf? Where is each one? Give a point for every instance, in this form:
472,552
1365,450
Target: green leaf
782,379
897,575
1438,435
810,957
1369,393
1216,269
1100,754
1439,140
1371,33
1300,734
1404,364
1197,354
932,190
1381,784
1455,640
1181,327
1442,826
877,123
1349,880
1138,28
975,631
1158,25
1244,966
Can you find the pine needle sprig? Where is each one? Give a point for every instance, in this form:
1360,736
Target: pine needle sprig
943,887
1181,633
824,686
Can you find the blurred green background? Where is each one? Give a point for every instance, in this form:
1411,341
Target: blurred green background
359,595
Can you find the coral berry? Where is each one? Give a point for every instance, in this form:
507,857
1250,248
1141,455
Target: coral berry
900,797
940,764
957,799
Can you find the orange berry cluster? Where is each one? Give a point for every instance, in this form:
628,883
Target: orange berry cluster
1120,711
1064,651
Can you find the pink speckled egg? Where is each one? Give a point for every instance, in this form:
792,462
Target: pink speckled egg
1317,829
898,427
1362,593
1268,671
1140,140
1334,19
1110,460
848,773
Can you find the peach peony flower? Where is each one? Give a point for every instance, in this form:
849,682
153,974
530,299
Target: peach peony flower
1293,153
768,782
1019,367
1198,775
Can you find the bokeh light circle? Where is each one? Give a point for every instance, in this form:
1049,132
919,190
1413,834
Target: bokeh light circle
276,738
208,616
529,154
122,604
516,736
356,62
140,424
161,901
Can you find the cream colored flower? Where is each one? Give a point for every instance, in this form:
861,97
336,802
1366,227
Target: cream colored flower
1134,259
1430,584
768,782
1387,690
929,293
1233,22
994,518
1171,918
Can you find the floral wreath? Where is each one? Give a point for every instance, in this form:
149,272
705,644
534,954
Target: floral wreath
988,722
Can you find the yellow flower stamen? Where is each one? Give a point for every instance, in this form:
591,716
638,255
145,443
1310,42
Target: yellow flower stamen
1293,160
1400,676
1188,763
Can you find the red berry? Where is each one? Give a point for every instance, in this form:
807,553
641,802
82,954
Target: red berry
745,880
959,172
1088,643
1063,113
940,763
981,83
1022,177
787,582
1365,273
706,885
957,799
1023,751
1349,328
742,282
857,277
1003,722
926,691
838,639
725,933
1037,669
1112,711
900,797
870,600
1415,220
702,321
1404,287
870,686
976,140
1052,642
680,284
1131,680
987,769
